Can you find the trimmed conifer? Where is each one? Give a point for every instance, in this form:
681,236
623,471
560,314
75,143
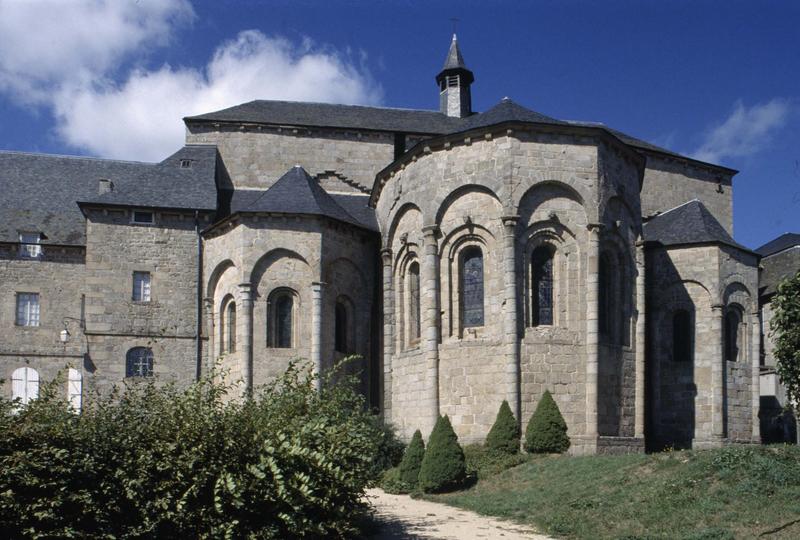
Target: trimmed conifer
504,437
412,461
547,431
443,466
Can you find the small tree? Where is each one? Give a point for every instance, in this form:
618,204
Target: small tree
785,331
443,466
546,431
505,434
412,461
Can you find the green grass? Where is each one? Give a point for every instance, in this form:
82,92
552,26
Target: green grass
735,492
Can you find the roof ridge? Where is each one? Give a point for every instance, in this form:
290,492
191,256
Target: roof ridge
68,156
383,108
676,207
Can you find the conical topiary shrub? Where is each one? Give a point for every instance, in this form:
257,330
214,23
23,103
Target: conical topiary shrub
505,434
443,467
412,461
546,431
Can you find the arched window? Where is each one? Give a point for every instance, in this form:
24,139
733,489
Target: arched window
280,319
605,294
25,385
472,287
139,362
341,330
682,336
75,389
230,330
542,286
732,322
414,302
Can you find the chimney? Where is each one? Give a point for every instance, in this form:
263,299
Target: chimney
105,186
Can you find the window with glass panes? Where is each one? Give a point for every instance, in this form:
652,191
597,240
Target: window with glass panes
141,286
27,309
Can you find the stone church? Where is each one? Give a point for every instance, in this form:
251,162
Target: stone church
468,258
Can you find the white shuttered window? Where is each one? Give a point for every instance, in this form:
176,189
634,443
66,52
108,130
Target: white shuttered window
75,389
25,384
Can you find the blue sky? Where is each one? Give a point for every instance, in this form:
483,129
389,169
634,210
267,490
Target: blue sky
717,80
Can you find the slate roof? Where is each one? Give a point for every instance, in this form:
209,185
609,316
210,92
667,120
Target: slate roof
40,191
167,184
454,58
689,223
433,123
776,267
784,241
297,193
293,113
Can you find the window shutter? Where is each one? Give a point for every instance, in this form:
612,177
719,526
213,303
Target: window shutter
75,389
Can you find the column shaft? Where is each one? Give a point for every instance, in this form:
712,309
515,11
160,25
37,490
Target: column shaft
592,328
640,342
717,373
245,336
430,322
510,311
755,357
388,331
316,332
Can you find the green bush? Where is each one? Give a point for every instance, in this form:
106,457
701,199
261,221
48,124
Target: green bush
390,447
483,463
168,462
546,431
504,437
412,461
391,482
443,466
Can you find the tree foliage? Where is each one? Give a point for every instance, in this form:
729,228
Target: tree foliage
785,331
412,461
443,467
547,430
504,437
168,462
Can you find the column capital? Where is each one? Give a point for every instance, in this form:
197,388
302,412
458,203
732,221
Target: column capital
717,307
595,227
510,220
246,290
386,256
318,285
430,230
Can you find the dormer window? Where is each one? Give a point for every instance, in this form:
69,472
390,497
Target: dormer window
30,245
143,217
186,164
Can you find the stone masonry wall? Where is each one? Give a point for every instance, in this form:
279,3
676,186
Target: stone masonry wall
255,157
58,277
669,183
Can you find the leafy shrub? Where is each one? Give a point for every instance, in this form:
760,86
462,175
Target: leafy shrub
412,461
443,466
504,437
169,462
546,431
390,447
483,462
392,483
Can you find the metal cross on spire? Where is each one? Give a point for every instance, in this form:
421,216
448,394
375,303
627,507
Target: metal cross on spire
455,22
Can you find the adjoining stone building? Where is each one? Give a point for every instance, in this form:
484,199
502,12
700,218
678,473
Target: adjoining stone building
467,257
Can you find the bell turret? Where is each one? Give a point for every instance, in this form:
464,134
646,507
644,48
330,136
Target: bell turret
454,83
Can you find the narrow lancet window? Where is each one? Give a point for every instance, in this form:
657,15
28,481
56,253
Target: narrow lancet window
414,301
542,286
472,287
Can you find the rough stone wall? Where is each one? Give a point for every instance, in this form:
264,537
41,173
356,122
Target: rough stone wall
768,345
669,183
114,323
255,157
58,277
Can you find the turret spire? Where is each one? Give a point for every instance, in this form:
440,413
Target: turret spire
454,82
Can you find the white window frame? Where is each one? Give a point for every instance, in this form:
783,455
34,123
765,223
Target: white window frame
142,290
28,313
30,245
75,389
25,384
142,211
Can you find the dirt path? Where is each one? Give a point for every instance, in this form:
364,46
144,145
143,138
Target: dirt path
400,516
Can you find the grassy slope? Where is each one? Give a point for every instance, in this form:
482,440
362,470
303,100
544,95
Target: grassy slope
736,492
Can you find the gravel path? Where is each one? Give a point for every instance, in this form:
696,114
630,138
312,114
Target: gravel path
401,517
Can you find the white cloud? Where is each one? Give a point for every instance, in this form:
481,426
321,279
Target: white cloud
71,65
47,43
745,131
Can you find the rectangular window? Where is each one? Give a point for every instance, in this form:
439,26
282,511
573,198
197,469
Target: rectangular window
143,217
27,309
30,245
141,286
